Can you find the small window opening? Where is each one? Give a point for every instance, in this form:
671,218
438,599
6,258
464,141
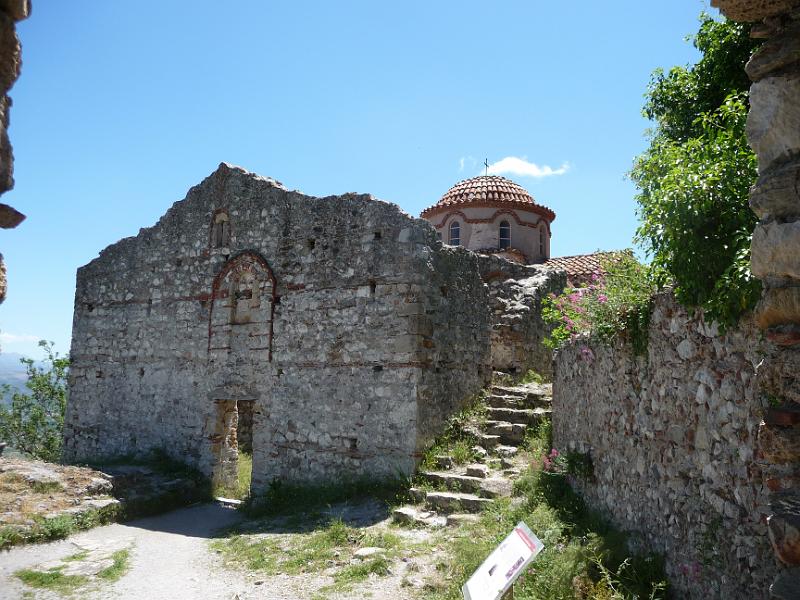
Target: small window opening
455,233
505,235
378,235
443,289
221,231
377,368
372,287
311,243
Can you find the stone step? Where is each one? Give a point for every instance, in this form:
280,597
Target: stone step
443,461
510,434
453,482
456,519
531,401
454,502
531,389
505,451
485,488
411,515
488,441
518,415
478,470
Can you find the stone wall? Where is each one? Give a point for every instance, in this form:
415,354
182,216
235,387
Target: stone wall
351,329
11,11
515,304
674,441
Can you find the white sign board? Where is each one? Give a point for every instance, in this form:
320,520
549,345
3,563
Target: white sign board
504,565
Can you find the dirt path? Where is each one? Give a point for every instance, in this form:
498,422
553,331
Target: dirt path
170,558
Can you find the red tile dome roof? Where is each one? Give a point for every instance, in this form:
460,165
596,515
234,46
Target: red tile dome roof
488,190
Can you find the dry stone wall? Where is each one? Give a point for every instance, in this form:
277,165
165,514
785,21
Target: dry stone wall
346,326
673,437
11,11
515,304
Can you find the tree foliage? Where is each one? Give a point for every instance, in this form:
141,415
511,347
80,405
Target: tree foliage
34,421
695,177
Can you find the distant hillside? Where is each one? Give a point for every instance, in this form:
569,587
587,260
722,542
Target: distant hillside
12,372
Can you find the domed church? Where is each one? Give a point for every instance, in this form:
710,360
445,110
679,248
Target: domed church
493,215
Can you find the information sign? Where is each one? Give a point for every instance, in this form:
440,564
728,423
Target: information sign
504,565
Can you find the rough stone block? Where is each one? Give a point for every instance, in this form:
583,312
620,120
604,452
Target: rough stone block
777,192
773,123
774,249
778,306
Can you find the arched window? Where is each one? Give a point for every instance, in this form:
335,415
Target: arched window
220,230
455,233
505,235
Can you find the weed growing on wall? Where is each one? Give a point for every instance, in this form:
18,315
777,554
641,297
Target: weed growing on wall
615,304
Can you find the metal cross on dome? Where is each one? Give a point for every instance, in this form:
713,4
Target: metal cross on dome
486,164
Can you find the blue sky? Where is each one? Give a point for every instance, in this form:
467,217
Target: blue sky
122,106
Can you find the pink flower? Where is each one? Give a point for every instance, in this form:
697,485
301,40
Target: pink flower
595,276
602,298
587,354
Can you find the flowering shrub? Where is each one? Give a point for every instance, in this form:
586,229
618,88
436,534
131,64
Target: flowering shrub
575,464
616,302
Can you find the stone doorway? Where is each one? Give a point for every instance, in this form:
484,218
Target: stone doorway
232,446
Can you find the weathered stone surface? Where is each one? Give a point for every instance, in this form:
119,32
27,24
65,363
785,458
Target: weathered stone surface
16,9
515,304
786,586
773,123
777,192
778,306
349,331
754,10
673,443
784,528
775,54
10,217
777,444
774,250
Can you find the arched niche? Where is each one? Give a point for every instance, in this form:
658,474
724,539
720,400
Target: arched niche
242,308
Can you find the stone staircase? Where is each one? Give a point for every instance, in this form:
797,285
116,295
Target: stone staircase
455,494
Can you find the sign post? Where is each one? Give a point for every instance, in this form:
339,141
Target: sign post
500,570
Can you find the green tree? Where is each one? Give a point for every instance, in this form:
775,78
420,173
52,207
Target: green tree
695,177
34,421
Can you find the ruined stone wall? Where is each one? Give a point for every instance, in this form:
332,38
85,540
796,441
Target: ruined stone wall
515,305
11,11
673,438
326,313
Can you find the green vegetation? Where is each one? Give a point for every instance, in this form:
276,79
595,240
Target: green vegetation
334,545
531,377
121,560
457,440
694,178
616,303
244,476
52,579
584,557
57,528
55,580
33,422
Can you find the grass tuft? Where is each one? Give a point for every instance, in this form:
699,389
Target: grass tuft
52,579
121,560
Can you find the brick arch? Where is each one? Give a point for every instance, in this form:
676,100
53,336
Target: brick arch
248,261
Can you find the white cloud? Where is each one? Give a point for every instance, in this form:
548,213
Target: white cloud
515,165
13,338
466,161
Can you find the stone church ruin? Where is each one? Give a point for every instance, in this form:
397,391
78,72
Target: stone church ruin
330,336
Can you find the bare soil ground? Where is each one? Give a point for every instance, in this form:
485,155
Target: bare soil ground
173,556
